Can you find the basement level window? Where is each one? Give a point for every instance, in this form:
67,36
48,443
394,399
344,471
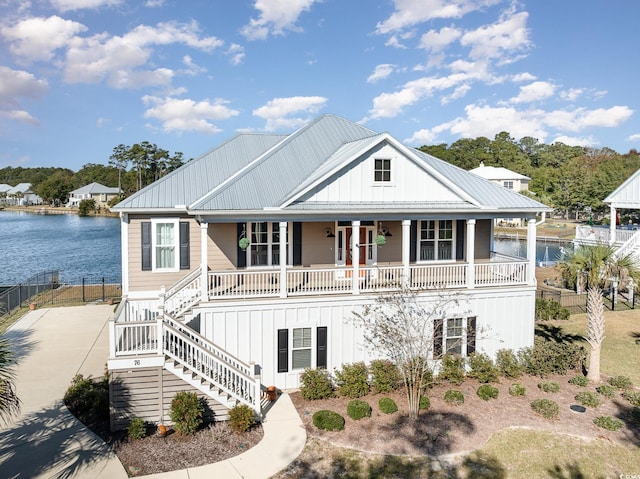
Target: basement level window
382,170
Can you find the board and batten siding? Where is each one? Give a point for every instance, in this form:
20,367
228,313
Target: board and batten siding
147,393
140,280
249,330
409,182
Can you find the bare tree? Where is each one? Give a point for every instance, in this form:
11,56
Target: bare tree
402,327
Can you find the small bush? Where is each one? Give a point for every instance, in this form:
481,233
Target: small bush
487,391
385,376
546,408
352,380
508,364
581,381
482,368
186,412
588,398
424,404
86,206
633,397
606,390
548,357
241,418
328,420
387,405
517,390
452,369
315,384
137,429
357,409
620,382
455,397
550,309
609,423
88,399
549,386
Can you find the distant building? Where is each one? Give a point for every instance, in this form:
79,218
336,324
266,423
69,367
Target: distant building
3,192
100,193
21,195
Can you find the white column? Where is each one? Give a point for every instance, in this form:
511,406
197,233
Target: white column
612,225
471,253
283,259
204,273
124,238
531,250
355,256
406,253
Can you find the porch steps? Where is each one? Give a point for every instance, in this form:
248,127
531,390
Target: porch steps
200,383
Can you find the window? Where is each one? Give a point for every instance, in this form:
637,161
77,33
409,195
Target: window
165,245
164,250
301,348
454,336
264,249
436,240
382,170
508,184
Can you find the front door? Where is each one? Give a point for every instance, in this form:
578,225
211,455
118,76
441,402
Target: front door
362,243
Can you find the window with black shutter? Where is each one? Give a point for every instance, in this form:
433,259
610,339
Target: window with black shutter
184,246
283,350
471,335
321,347
146,245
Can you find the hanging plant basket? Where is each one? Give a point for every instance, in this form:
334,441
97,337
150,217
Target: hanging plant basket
381,240
244,243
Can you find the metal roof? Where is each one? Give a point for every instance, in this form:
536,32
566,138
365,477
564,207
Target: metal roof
96,189
497,173
627,195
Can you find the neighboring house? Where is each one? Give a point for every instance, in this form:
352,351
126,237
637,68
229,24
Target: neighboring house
21,195
506,178
4,188
244,266
100,193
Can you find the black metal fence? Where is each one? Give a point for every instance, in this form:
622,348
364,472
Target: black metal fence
47,288
577,303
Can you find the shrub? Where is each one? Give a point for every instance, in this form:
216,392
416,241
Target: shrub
546,408
620,382
633,397
352,380
453,396
315,384
186,412
387,405
588,398
582,381
548,357
137,429
550,309
241,418
357,409
549,386
86,206
385,376
517,390
487,391
482,368
424,404
88,399
328,420
606,390
452,369
508,364
609,423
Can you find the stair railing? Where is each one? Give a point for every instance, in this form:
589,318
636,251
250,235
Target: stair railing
628,246
183,295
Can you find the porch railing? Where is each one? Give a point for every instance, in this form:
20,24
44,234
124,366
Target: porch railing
593,234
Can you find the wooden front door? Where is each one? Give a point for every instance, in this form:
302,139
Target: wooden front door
362,243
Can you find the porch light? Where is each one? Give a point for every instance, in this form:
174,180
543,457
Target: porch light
329,233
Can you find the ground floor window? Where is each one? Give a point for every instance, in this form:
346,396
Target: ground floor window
455,335
301,348
296,346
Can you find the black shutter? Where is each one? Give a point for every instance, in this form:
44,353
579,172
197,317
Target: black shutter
321,347
413,239
471,335
460,240
438,337
146,245
184,246
297,244
242,254
283,350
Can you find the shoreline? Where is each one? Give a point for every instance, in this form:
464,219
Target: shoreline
55,210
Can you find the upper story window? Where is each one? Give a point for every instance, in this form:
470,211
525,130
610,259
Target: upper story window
508,184
165,245
382,170
436,240
265,244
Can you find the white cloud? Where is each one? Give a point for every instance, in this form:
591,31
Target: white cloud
572,94
180,115
236,52
276,16
574,141
66,5
37,38
20,116
380,72
535,91
437,41
192,69
16,85
634,137
507,36
581,118
276,112
154,3
522,77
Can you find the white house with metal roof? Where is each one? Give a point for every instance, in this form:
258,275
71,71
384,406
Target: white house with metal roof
93,191
245,266
22,195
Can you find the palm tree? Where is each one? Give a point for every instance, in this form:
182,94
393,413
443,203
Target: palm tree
596,268
9,402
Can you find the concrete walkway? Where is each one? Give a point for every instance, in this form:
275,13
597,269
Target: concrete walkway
46,441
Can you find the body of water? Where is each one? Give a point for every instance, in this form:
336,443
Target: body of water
76,246
545,250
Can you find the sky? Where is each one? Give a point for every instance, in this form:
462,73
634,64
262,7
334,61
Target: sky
79,77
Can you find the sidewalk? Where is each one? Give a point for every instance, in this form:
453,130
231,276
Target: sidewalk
46,441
